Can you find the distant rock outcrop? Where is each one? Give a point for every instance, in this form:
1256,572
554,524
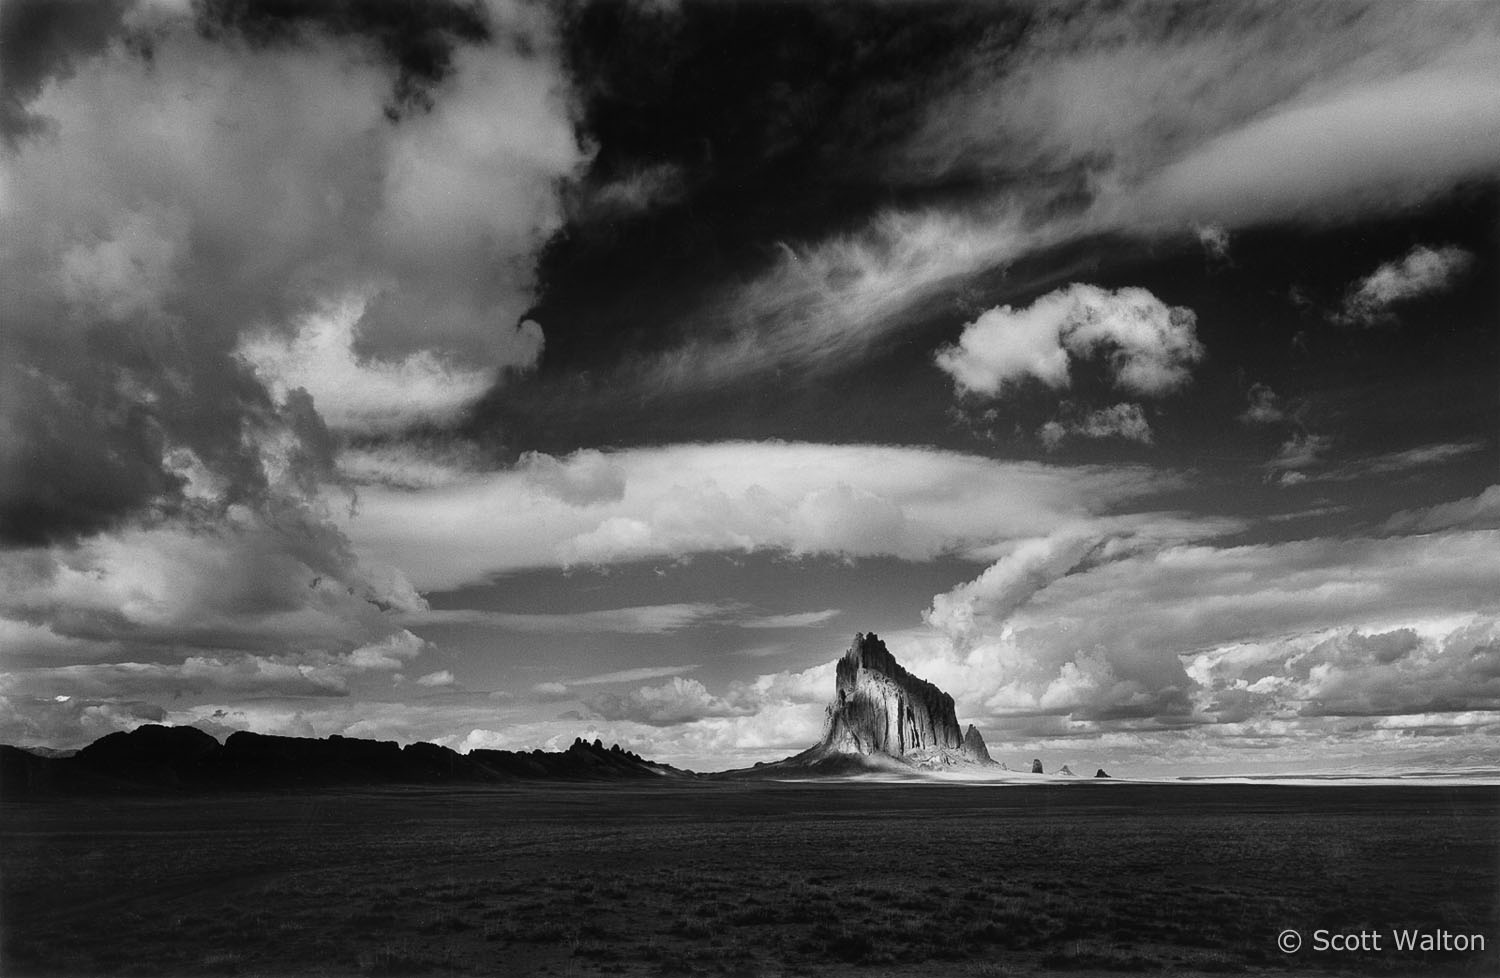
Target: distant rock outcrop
1066,771
1036,765
154,758
884,718
1100,773
974,748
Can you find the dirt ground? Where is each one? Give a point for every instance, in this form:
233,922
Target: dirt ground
750,880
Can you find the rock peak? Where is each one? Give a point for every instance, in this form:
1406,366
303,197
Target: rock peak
880,708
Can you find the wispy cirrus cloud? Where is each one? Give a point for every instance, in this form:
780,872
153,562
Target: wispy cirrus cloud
1210,120
1304,458
644,620
640,620
1474,512
630,675
802,619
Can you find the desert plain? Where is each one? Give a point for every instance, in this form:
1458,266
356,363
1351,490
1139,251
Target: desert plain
750,879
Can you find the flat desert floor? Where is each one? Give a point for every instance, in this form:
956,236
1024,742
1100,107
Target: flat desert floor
751,880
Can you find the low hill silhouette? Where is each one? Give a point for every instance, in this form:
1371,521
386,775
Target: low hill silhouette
154,758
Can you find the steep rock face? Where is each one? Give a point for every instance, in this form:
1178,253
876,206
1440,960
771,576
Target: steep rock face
974,748
880,708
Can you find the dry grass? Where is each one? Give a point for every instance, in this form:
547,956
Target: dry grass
744,881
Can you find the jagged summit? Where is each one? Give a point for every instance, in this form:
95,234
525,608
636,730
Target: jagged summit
883,717
880,708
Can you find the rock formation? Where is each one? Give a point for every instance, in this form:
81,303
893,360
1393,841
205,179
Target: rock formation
1066,771
1036,765
883,717
880,708
974,748
1100,773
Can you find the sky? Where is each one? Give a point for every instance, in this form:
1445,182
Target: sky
494,373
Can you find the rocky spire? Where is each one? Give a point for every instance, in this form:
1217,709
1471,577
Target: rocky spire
880,708
974,748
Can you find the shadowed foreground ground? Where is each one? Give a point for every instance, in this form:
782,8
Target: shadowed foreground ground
748,880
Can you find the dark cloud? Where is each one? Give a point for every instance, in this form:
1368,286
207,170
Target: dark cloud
70,721
418,37
40,40
143,255
54,484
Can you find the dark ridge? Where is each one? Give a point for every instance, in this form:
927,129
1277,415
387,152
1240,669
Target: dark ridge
155,758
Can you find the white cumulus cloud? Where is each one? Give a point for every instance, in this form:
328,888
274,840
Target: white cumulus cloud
1422,271
363,393
1150,346
1125,421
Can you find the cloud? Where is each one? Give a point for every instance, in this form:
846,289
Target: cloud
679,701
1263,407
1422,271
1083,122
1350,672
164,507
1005,585
822,303
69,721
409,463
364,395
140,254
1215,241
631,675
390,653
1475,512
805,619
658,619
1221,117
1303,457
1338,151
1150,345
421,44
641,620
1416,458
247,584
1071,625
229,676
1301,451
1125,421
775,730
634,192
846,500
41,41
436,680
583,478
